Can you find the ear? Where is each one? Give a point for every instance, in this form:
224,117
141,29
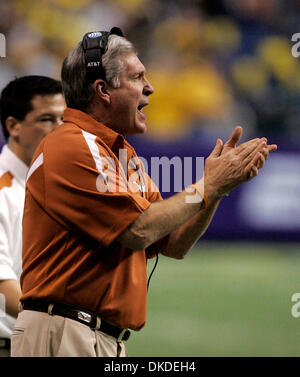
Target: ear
13,127
101,89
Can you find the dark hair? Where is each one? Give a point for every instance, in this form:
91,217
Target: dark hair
17,95
77,90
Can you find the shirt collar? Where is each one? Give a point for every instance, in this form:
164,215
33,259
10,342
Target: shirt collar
89,124
11,162
111,138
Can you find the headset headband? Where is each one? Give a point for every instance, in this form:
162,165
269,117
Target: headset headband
94,46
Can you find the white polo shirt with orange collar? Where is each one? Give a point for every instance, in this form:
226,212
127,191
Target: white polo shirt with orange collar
12,194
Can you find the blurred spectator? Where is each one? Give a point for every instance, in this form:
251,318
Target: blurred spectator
230,61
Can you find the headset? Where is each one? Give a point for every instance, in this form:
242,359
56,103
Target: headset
94,46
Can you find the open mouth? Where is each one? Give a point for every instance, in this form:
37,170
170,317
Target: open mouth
140,110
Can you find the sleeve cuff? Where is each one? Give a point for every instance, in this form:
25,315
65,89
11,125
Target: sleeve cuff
138,206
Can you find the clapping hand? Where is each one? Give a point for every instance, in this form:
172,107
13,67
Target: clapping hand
261,156
230,164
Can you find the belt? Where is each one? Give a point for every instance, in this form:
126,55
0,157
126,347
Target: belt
77,314
5,343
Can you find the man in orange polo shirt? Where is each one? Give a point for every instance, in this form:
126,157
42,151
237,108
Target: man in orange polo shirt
92,215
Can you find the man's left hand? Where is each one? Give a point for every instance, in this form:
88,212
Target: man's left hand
233,141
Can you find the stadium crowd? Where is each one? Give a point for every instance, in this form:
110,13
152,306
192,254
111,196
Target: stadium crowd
230,61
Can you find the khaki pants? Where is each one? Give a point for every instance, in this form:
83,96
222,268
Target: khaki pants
40,334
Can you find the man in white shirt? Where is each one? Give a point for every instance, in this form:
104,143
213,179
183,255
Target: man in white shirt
30,108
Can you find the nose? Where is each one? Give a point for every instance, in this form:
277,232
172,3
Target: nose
148,88
58,122
53,126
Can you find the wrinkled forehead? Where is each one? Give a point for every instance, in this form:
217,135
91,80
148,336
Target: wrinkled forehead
133,64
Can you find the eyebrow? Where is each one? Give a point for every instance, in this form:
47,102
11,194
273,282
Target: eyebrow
47,115
139,72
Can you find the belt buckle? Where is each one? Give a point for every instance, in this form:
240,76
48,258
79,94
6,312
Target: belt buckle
86,317
124,335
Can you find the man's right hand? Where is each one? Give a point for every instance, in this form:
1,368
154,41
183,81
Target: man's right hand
224,172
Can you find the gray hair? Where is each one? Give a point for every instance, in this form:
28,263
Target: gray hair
78,91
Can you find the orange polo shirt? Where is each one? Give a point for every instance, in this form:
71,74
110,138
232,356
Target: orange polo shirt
80,196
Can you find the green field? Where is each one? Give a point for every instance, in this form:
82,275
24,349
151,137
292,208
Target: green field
223,300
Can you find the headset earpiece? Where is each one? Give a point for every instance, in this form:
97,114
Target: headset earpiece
94,46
